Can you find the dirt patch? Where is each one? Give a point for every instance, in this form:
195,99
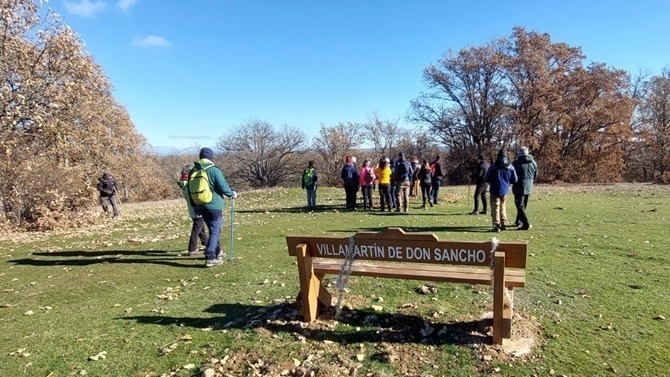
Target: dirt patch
405,342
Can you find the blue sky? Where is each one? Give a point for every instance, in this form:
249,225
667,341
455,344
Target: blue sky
192,71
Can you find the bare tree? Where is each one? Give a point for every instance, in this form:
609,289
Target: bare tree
654,126
383,134
333,144
262,156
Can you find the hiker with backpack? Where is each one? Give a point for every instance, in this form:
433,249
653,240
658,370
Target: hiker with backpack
198,224
367,179
309,183
436,179
383,178
500,176
207,186
401,177
425,181
108,194
350,179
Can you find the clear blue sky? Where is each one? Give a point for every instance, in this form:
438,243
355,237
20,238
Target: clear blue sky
191,71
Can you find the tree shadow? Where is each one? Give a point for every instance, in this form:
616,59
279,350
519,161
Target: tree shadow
359,326
87,258
299,209
423,229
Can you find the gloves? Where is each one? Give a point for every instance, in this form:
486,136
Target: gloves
234,195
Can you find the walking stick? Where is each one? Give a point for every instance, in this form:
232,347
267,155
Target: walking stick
469,181
232,230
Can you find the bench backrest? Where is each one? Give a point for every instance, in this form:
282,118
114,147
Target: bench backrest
393,244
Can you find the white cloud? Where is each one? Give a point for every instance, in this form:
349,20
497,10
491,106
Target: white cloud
85,8
125,5
151,41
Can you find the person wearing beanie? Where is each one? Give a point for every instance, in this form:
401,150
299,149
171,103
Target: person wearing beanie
500,176
480,185
526,170
383,176
366,181
436,179
402,176
350,178
212,211
198,224
309,183
108,194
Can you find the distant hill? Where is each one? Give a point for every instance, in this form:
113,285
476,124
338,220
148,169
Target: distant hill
162,150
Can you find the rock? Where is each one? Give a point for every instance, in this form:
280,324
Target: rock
360,357
209,372
377,308
659,318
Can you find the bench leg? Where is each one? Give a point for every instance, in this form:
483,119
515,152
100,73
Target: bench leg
309,284
325,298
498,296
508,312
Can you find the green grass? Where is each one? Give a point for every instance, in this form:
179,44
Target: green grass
597,284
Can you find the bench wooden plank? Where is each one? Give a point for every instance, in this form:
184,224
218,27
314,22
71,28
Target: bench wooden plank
513,278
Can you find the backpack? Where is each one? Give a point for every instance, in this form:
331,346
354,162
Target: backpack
368,176
308,176
198,186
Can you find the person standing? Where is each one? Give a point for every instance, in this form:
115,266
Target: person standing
383,174
425,182
350,178
206,180
393,192
436,179
198,224
108,194
309,183
500,176
402,176
367,179
414,181
526,170
480,185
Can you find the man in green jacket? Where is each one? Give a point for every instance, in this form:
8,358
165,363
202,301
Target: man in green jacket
212,211
526,171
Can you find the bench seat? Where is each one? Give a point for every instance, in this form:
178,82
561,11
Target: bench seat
419,271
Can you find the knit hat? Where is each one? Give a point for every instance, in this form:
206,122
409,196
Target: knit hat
206,153
523,151
347,160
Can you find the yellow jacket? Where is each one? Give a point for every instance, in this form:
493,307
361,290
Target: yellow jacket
383,176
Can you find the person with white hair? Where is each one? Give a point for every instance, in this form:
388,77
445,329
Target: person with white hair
526,170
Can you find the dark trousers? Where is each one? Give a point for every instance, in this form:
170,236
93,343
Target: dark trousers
350,190
425,192
480,194
110,201
521,202
384,197
367,196
197,232
393,194
214,220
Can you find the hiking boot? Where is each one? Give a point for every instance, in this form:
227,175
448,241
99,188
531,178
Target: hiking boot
503,227
482,213
524,227
495,230
473,213
213,262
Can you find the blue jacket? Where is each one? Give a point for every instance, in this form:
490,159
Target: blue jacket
500,177
349,173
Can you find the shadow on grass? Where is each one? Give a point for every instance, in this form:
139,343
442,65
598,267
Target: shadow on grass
422,229
372,326
87,258
300,209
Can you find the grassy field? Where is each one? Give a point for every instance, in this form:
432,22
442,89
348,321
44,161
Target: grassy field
119,299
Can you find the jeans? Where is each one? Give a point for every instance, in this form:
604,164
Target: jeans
311,198
393,193
214,220
435,189
197,232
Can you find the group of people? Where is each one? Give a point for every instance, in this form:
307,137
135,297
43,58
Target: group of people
502,177
397,180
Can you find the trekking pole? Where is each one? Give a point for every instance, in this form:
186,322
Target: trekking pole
232,229
469,181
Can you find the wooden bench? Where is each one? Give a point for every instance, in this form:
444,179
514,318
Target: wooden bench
419,256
